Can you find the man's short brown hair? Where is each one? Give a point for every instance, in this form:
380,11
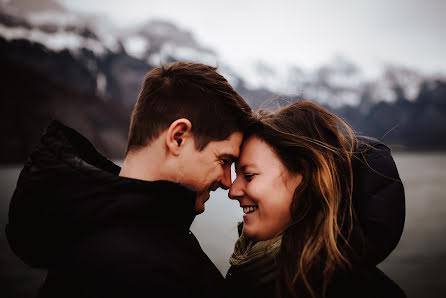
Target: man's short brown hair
187,90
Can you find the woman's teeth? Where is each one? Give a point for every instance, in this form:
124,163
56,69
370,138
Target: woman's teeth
250,209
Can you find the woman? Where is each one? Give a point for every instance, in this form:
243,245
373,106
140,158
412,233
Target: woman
301,237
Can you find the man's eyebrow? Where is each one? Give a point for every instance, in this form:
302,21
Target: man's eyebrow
229,157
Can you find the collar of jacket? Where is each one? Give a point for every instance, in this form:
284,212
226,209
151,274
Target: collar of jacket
67,189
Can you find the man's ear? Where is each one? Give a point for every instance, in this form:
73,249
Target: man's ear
176,134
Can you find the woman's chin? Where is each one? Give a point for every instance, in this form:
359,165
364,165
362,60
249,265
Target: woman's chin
252,234
256,234
248,233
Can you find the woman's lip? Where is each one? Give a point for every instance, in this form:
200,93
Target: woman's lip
249,208
250,213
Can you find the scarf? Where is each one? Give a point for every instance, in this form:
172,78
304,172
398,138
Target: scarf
254,263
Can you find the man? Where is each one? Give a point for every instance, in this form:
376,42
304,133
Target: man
103,231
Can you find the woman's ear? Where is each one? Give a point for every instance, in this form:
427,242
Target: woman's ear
294,181
176,135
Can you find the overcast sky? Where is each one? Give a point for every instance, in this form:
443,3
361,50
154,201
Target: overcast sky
302,32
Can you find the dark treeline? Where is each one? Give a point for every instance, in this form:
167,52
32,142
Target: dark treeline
96,93
407,125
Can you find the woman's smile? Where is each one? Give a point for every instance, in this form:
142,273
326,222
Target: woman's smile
249,209
264,189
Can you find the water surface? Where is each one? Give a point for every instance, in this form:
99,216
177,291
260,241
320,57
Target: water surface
418,264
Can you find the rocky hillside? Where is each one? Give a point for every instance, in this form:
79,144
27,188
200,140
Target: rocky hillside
86,73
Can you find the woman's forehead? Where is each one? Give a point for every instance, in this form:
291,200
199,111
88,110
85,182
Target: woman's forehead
256,153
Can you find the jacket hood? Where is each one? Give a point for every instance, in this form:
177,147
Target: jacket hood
67,190
378,201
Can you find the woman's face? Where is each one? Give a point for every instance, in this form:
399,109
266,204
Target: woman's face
264,189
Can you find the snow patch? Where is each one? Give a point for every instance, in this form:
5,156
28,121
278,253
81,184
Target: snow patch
155,59
279,78
57,41
99,25
182,53
101,84
136,46
192,55
55,18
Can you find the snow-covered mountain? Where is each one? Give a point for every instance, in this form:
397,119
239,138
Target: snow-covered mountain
118,58
84,70
115,59
160,41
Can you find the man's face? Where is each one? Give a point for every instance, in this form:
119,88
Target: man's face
210,168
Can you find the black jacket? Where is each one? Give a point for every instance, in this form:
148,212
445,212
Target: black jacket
379,203
101,235
378,199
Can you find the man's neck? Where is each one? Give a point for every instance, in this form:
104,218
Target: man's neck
147,163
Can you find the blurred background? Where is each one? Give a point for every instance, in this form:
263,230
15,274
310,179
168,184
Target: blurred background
380,65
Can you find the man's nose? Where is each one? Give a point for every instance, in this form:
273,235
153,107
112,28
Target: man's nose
226,181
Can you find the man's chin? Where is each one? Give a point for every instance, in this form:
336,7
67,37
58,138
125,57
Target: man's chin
200,201
199,209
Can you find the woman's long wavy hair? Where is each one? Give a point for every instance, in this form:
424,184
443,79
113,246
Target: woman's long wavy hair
318,145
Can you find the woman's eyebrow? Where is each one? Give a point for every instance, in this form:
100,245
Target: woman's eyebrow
239,168
242,168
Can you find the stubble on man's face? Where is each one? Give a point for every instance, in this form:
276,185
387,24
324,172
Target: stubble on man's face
211,167
201,199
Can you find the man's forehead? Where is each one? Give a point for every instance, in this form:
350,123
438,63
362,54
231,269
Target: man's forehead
235,142
230,148
236,137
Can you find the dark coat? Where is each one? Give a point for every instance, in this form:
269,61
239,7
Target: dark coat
378,199
101,235
379,203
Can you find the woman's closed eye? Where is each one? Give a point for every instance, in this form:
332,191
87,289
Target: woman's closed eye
248,176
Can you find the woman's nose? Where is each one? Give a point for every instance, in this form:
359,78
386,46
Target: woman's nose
236,191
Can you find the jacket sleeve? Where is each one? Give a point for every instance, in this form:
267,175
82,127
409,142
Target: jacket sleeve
378,199
47,209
